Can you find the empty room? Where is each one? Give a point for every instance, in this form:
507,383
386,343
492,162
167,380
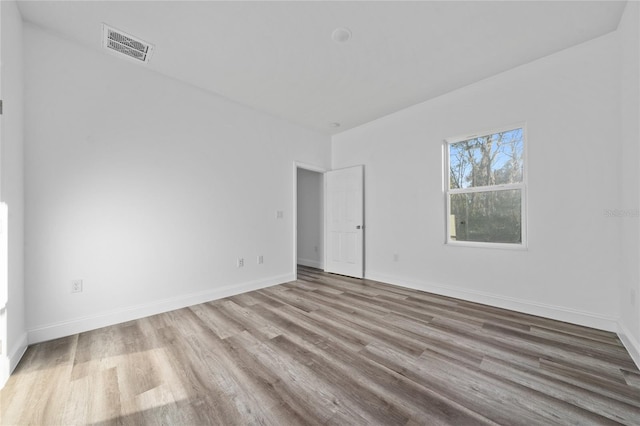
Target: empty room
319,212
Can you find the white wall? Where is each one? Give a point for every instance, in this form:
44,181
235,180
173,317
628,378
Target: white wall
12,188
310,218
629,33
570,271
147,189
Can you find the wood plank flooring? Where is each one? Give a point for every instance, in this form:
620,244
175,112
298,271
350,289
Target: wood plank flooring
328,350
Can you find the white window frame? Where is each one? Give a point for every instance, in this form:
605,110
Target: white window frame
522,186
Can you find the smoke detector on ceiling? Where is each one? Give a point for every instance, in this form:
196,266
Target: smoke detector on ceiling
126,44
341,35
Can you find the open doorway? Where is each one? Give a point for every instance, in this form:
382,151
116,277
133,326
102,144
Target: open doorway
309,224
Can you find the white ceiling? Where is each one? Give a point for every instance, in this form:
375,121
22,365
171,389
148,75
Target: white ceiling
279,57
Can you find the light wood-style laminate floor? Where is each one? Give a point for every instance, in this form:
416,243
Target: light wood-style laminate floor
328,350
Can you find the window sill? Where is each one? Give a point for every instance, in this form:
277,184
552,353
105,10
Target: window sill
499,246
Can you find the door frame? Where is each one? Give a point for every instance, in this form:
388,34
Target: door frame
312,168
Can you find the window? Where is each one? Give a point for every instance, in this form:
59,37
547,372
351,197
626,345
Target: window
486,189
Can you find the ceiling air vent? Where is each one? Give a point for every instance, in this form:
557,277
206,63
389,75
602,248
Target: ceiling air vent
126,44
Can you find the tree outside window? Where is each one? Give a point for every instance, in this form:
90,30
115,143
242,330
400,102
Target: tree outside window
485,193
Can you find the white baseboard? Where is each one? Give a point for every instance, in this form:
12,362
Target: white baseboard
18,350
78,325
311,263
559,313
10,362
630,343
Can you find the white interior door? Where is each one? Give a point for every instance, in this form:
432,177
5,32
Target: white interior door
344,215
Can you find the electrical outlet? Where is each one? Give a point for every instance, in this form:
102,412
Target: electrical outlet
240,262
260,260
396,257
279,214
315,248
76,286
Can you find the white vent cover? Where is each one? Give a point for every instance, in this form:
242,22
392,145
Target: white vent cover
126,44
